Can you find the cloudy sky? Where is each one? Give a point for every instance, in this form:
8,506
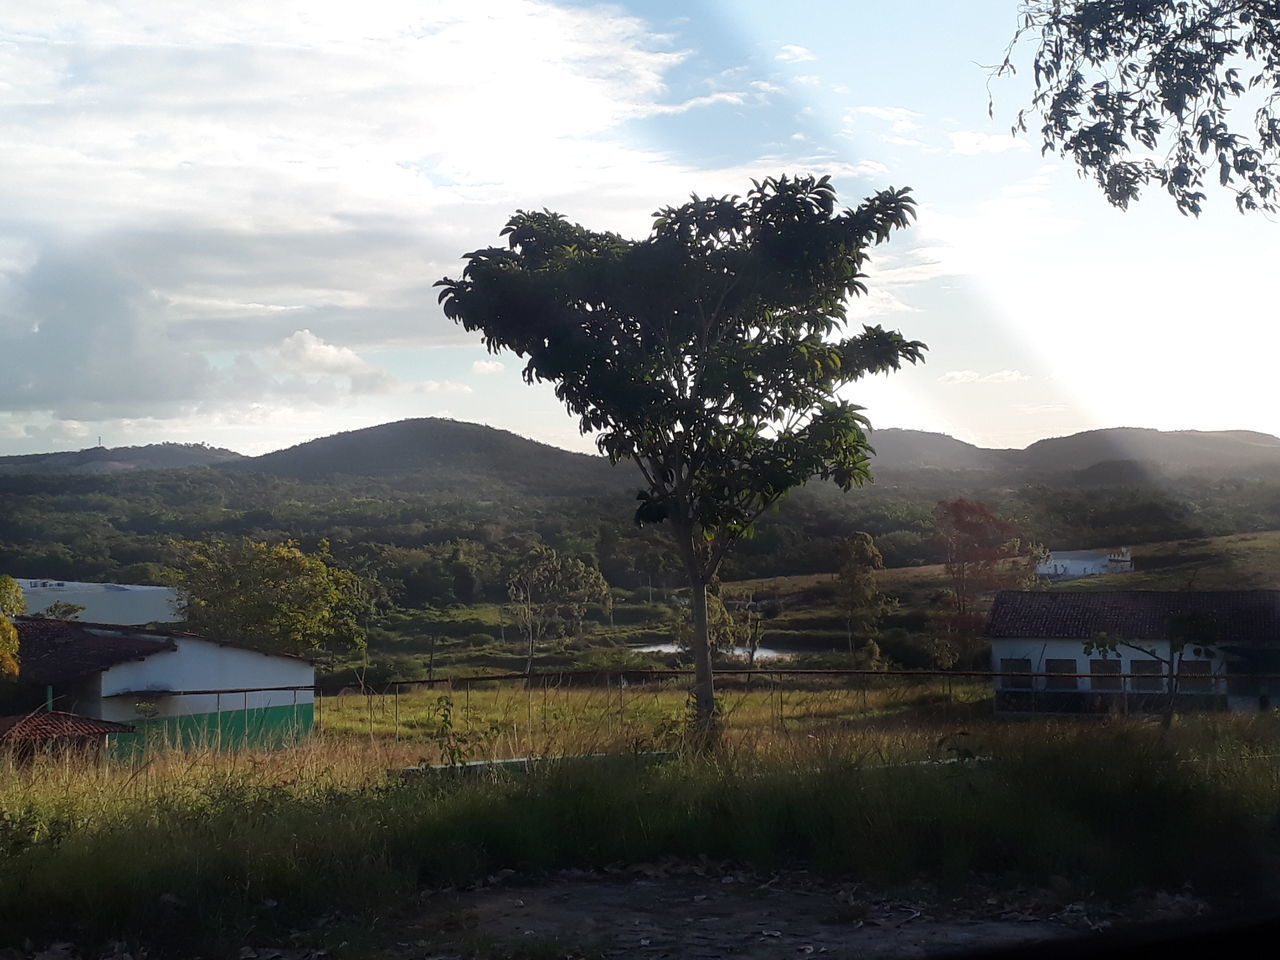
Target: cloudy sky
221,222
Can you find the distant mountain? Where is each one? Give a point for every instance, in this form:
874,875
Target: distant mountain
1174,451
898,449
433,454
1120,455
445,455
155,456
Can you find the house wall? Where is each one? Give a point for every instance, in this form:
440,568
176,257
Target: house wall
203,665
1038,651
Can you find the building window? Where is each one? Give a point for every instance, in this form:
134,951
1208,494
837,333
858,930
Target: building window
1194,676
1015,665
1053,667
1105,675
1149,675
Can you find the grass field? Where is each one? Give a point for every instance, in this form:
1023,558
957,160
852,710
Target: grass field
207,849
496,720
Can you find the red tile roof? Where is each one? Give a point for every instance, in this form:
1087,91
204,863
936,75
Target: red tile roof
58,651
54,724
1245,617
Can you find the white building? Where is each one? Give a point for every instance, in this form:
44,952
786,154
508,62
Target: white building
173,687
1070,564
1038,641
103,602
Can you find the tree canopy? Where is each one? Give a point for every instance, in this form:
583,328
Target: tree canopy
12,604
984,553
710,353
859,595
1140,92
272,597
549,595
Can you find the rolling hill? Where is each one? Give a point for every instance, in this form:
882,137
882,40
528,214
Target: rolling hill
436,454
445,455
155,456
1120,454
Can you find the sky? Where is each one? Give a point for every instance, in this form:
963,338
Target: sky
221,223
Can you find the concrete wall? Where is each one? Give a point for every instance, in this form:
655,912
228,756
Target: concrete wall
203,665
1038,651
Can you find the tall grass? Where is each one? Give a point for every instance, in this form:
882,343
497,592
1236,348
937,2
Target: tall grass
190,848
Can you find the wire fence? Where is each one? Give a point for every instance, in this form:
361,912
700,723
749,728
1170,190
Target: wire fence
774,699
489,716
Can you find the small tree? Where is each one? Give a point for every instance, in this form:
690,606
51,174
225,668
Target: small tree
550,594
984,554
1141,92
724,630
710,353
1191,631
62,610
272,597
12,604
861,601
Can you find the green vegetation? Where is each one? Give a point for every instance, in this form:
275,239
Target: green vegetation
204,848
12,603
272,597
466,501
710,354
1140,94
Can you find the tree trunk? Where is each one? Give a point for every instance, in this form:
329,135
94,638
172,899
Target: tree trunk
704,696
528,664
1171,703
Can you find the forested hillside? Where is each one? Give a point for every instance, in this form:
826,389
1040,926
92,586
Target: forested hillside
441,508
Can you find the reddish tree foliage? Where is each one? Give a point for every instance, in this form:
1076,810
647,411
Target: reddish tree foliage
985,553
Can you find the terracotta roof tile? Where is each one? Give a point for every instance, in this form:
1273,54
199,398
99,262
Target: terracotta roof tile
54,724
1248,617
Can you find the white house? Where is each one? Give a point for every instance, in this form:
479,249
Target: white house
1070,564
121,603
1038,641
172,687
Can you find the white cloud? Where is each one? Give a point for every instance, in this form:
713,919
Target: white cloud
307,355
1039,408
900,119
488,366
437,386
794,53
668,109
305,352
973,142
973,376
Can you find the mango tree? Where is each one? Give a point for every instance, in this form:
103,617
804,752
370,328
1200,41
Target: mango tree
711,353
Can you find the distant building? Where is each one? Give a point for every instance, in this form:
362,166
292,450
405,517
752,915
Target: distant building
1070,564
1038,637
120,603
42,731
173,688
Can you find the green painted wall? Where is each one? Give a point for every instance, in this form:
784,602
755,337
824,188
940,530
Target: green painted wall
261,728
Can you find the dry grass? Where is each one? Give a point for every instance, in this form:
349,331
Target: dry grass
192,847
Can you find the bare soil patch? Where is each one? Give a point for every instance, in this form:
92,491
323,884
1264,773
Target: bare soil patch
707,911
